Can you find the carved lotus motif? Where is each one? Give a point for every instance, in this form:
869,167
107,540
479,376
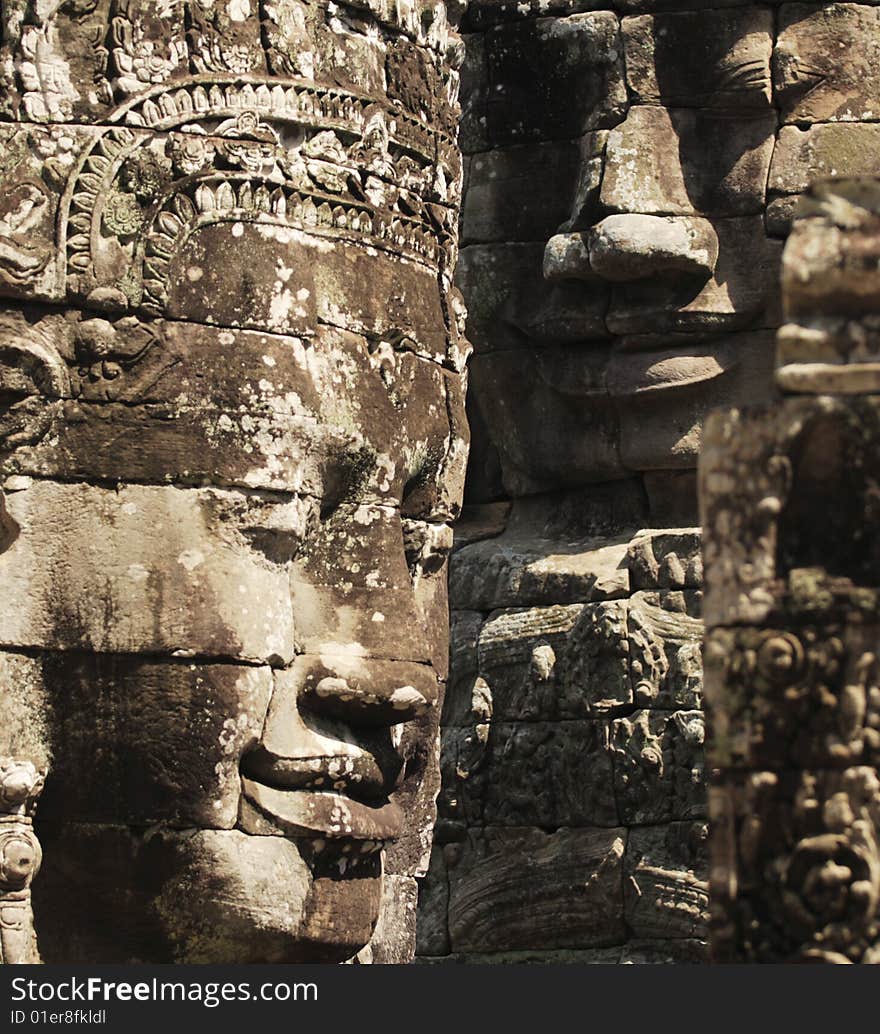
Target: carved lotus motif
123,216
20,783
781,657
143,176
831,885
189,152
248,143
143,67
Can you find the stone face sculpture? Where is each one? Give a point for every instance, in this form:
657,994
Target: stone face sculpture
20,856
631,167
646,278
232,442
789,498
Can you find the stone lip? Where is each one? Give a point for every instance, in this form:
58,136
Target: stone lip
637,366
269,811
360,772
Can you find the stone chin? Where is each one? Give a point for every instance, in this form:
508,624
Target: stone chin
206,896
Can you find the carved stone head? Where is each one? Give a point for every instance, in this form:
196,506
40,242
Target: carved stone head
631,179
232,443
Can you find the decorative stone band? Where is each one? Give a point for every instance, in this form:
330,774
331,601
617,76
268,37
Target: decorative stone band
231,199
74,61
831,342
352,173
20,856
294,100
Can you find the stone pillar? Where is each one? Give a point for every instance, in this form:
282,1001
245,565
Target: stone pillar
20,857
790,495
231,446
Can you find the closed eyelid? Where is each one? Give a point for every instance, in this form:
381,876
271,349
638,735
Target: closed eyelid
744,74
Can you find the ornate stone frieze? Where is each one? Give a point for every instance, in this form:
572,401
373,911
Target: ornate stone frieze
792,683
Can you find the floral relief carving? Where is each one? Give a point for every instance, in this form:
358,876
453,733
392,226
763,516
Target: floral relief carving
20,857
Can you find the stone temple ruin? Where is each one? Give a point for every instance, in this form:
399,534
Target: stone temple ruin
289,288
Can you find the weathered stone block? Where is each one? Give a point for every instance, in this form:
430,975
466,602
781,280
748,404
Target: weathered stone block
508,571
25,712
523,889
458,703
432,926
499,320
394,940
523,193
721,168
554,77
672,497
659,771
805,697
545,774
550,417
338,615
803,154
666,881
473,129
810,80
130,571
708,58
193,404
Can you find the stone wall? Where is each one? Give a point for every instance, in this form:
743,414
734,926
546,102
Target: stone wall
631,171
571,814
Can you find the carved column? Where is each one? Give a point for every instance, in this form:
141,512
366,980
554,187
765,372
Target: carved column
20,857
790,495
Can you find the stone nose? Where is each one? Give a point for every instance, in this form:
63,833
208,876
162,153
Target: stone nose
377,693
363,693
634,247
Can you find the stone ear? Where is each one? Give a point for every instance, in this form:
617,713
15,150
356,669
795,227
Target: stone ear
31,363
32,376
